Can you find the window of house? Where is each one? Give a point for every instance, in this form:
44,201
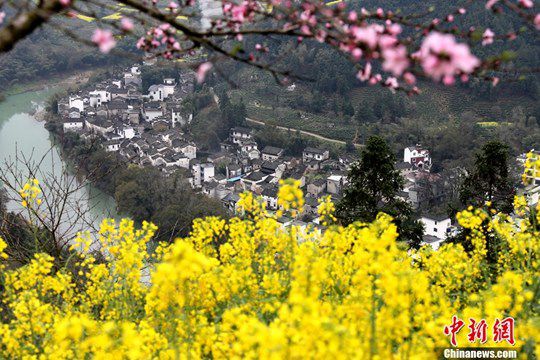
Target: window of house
435,229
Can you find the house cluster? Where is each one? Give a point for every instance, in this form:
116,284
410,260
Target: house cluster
242,166
422,188
144,127
151,128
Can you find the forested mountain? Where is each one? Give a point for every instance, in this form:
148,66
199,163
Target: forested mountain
453,121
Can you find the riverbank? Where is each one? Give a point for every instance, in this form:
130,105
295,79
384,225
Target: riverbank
76,78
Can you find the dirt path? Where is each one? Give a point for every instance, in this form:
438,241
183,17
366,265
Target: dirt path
303,132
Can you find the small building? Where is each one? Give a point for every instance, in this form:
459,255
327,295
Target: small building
152,110
272,153
316,187
112,145
73,124
269,195
310,153
233,171
417,156
254,179
240,134
436,225
334,184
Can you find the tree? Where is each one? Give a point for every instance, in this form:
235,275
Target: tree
374,184
489,181
364,114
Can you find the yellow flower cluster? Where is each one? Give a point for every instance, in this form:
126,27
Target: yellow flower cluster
290,197
30,192
250,288
326,211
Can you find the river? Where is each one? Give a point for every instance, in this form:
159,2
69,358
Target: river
22,135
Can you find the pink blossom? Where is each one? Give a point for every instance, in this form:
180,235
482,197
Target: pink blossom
387,41
450,18
141,43
104,40
239,12
2,16
127,24
526,3
375,79
356,54
440,56
367,35
395,60
65,2
409,78
353,16
462,11
495,81
364,74
448,80
490,3
537,21
394,29
392,83
202,71
487,37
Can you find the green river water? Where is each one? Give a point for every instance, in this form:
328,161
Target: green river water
23,135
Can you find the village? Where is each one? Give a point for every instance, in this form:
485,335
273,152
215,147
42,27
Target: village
152,129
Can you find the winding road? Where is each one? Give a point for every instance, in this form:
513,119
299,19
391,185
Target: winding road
303,132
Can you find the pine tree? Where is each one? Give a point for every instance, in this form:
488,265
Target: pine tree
374,184
490,179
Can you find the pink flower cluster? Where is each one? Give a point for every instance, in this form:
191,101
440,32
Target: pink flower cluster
441,57
104,40
163,35
241,12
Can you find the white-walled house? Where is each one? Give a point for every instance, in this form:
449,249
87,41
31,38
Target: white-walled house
188,149
438,226
98,97
310,153
77,102
112,145
73,124
99,125
334,184
418,156
169,85
202,173
126,132
272,153
178,118
240,134
155,93
162,91
152,110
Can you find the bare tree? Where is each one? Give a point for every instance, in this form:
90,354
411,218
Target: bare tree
65,207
